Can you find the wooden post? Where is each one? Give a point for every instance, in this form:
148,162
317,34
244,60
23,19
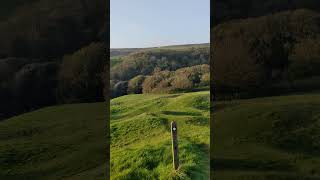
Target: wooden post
174,135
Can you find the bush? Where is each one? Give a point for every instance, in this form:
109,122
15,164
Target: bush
135,85
189,78
34,85
183,79
120,88
205,79
158,82
305,60
237,70
81,75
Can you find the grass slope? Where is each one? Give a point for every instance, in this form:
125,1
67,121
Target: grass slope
141,139
61,142
69,141
267,138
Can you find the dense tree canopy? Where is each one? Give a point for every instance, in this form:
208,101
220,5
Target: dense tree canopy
265,51
36,38
144,62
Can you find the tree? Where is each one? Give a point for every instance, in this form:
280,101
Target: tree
135,85
120,88
235,71
81,75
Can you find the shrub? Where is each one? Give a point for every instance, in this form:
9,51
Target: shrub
81,75
34,85
120,88
205,79
189,78
305,60
237,70
158,82
183,79
135,85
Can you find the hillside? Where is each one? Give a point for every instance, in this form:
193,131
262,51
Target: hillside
59,142
118,54
127,51
267,138
69,141
37,37
132,71
141,140
223,11
123,51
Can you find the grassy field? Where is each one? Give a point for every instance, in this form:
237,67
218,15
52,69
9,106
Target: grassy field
267,138
274,138
60,142
69,141
140,136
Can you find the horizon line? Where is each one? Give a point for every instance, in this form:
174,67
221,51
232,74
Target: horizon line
148,47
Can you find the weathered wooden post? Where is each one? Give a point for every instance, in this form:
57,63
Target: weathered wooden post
174,135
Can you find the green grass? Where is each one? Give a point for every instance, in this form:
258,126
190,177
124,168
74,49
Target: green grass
267,138
141,139
256,139
60,142
69,141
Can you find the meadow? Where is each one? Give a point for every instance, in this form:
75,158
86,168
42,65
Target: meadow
267,138
141,139
260,138
69,141
58,142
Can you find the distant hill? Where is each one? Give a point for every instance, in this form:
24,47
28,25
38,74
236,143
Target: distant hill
126,51
223,11
190,54
123,51
161,63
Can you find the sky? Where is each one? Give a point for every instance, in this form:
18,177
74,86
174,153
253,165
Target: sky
154,23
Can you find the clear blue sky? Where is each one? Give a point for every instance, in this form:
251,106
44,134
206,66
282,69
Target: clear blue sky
152,23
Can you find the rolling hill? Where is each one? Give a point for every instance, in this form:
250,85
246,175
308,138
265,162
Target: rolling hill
267,138
262,138
141,140
69,141
127,51
59,142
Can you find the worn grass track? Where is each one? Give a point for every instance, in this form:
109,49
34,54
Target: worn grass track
141,139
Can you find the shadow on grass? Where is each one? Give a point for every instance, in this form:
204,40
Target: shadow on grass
246,164
179,113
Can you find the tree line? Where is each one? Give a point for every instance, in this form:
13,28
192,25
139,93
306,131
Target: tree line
267,55
160,71
51,52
